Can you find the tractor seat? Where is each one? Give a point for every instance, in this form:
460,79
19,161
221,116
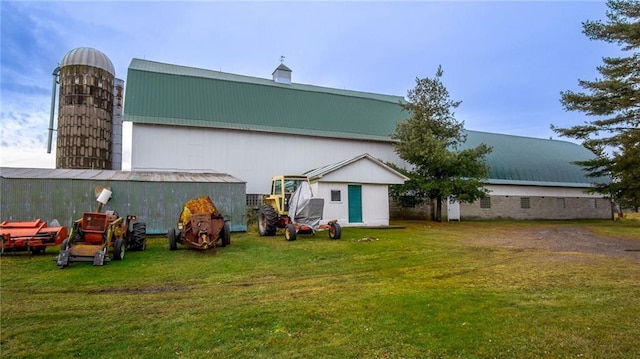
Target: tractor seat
94,226
94,222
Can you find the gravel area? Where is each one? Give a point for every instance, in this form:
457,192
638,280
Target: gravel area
566,239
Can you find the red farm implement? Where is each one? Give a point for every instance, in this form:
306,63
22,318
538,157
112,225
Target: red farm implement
96,233
34,236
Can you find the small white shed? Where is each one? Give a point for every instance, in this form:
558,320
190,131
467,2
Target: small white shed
356,191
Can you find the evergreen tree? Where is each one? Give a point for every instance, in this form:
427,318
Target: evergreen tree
614,102
429,141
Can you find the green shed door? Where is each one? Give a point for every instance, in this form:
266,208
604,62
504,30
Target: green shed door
355,203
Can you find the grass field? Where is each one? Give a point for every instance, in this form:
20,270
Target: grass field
423,291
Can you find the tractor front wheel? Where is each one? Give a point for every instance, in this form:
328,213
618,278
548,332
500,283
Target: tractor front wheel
118,249
171,234
335,232
267,220
290,232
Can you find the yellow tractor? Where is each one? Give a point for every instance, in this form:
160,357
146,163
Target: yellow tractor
291,206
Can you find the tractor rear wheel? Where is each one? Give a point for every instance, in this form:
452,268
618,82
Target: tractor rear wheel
290,232
267,220
225,235
335,232
118,249
171,234
139,237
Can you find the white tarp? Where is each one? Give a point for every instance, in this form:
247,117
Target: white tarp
305,209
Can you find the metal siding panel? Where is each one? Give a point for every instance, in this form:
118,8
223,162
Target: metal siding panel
156,203
61,201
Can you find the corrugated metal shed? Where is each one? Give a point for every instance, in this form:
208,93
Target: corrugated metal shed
177,95
155,197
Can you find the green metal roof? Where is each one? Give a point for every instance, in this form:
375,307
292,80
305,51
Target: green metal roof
532,161
168,94
177,95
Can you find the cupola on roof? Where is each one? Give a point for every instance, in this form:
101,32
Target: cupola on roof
90,57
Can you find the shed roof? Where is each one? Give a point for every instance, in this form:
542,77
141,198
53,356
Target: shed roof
168,94
107,175
322,171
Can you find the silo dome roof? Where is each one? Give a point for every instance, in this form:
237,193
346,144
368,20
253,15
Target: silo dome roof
90,57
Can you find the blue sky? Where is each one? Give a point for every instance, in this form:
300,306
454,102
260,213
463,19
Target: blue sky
507,61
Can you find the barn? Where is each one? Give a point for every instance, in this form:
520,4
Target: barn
199,120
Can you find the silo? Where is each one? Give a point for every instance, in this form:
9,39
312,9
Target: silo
85,112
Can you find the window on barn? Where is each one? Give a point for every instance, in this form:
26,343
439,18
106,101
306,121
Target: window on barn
560,203
485,202
336,195
593,203
525,202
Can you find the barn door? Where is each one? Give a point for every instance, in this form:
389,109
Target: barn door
453,210
355,203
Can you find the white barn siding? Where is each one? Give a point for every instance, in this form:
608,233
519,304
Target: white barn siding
510,190
375,205
248,155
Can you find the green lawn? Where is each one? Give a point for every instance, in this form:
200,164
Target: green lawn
422,291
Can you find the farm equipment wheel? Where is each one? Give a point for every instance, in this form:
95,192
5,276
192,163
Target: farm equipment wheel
335,232
267,220
225,235
139,236
118,249
171,234
64,245
37,250
290,232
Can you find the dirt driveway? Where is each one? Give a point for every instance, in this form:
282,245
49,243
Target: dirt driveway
562,238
